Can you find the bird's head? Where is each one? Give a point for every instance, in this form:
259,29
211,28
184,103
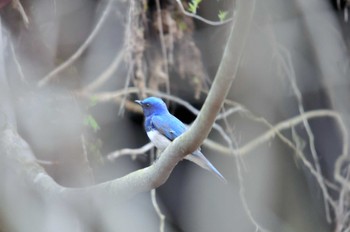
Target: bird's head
152,105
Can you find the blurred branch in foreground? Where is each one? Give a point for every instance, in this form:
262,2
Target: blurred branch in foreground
18,154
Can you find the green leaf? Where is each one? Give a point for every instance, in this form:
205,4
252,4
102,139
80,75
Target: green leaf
93,101
193,6
90,121
222,15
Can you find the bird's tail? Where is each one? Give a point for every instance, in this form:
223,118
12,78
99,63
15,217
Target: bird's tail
198,158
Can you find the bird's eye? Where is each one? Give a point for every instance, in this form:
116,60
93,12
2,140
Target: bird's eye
147,105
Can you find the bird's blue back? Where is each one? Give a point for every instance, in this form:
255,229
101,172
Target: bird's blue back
166,124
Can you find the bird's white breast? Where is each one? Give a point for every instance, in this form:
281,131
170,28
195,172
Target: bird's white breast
159,140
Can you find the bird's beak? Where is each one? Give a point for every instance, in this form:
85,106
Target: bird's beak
138,102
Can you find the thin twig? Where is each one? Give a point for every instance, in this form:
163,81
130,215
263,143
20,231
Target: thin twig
128,151
228,112
102,97
108,96
342,212
248,147
242,194
87,166
18,6
286,125
275,130
325,113
162,45
106,74
158,211
155,203
131,36
126,85
287,65
213,23
81,49
46,162
18,65
300,154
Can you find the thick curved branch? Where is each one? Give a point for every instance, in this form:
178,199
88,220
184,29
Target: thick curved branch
17,151
226,73
158,173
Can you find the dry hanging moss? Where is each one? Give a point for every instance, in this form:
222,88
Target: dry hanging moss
160,45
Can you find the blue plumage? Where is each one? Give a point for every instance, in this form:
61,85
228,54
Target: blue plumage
162,128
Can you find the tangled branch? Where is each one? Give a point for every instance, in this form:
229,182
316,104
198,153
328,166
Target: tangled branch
81,49
156,174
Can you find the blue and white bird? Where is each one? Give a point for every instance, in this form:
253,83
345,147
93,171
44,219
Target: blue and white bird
162,128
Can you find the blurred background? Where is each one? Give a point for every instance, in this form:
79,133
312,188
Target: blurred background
75,67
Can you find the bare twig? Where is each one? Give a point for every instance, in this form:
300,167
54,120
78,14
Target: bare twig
46,162
18,6
232,144
108,96
115,95
342,213
145,148
81,49
288,142
87,166
105,75
275,130
128,151
343,158
18,65
243,198
170,39
286,125
213,23
102,97
287,65
126,85
228,112
162,44
158,211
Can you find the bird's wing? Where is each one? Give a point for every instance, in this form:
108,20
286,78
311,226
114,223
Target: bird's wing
168,125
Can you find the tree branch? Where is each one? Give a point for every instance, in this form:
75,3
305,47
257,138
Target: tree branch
81,49
226,73
129,151
18,153
209,22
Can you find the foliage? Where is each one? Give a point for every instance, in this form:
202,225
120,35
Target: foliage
90,121
222,15
193,6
